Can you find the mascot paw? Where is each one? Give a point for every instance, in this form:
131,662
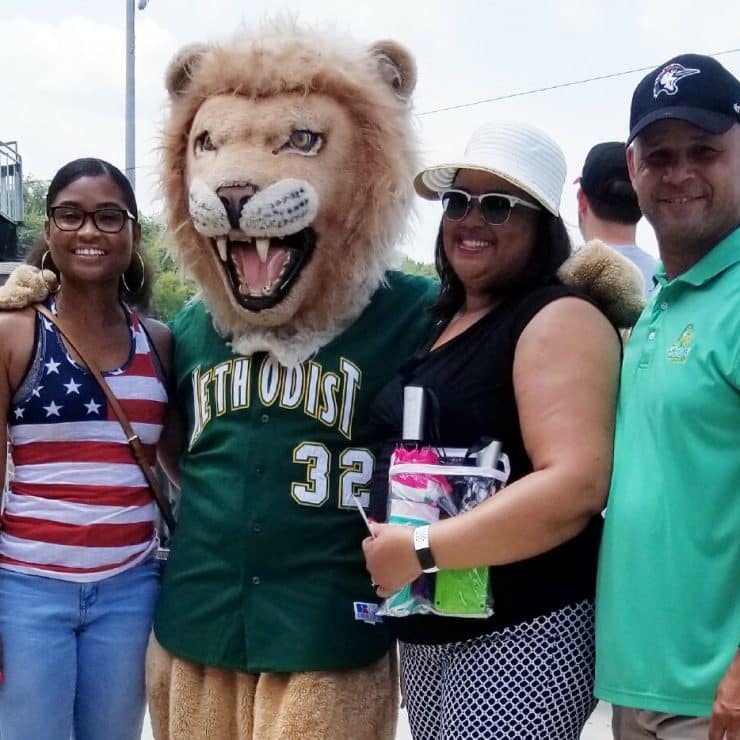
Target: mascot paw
608,279
25,286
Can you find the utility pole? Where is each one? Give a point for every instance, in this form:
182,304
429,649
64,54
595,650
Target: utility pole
131,89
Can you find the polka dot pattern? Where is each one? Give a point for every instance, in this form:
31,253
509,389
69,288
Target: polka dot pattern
533,681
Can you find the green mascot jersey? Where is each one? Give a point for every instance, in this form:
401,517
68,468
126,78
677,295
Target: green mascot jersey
266,572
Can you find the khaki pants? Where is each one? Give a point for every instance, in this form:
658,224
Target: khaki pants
639,724
188,701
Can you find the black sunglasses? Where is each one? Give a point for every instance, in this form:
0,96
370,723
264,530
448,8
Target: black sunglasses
107,220
495,207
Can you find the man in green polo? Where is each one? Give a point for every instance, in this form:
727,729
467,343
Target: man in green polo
668,599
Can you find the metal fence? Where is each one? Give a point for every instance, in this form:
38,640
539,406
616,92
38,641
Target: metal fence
11,182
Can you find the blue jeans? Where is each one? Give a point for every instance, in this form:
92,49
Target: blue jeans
74,655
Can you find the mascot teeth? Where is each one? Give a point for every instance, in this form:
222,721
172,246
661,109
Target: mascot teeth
263,247
260,266
222,245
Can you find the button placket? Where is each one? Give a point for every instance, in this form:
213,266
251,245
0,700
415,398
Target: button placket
653,327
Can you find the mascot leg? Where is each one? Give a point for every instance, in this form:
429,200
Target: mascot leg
361,704
188,701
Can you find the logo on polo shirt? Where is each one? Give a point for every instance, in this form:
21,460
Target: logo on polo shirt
679,351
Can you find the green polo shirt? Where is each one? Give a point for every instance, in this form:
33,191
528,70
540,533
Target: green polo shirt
266,571
668,594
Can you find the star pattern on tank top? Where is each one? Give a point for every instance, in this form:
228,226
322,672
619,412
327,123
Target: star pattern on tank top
58,397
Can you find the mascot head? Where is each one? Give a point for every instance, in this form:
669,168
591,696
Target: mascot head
287,174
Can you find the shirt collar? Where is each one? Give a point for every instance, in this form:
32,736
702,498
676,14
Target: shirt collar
723,255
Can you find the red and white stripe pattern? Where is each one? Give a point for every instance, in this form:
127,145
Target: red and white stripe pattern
78,507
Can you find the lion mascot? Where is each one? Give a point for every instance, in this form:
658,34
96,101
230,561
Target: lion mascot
288,162
287,174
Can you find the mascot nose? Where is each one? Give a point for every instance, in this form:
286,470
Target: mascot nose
234,197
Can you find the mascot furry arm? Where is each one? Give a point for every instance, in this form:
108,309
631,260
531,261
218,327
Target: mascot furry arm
25,286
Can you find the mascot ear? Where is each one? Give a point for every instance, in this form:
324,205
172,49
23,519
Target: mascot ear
180,69
397,67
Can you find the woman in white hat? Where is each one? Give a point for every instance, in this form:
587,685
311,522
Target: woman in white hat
520,358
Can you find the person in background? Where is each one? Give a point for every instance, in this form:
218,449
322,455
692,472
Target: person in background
668,601
607,206
78,578
520,358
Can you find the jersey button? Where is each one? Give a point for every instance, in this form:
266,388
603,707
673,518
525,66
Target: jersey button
260,470
651,336
256,527
264,418
256,580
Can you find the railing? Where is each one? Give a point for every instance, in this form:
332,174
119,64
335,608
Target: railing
11,182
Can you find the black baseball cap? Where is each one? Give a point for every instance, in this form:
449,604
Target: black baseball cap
606,165
689,87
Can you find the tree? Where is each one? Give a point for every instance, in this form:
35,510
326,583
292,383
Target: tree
34,212
418,268
169,291
170,295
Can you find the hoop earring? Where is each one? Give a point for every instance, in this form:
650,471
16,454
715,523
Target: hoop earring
141,280
58,283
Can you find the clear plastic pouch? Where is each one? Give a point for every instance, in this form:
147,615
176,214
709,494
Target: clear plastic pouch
427,484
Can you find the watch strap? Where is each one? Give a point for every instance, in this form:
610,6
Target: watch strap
423,551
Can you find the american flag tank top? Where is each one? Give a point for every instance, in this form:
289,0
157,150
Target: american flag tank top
78,506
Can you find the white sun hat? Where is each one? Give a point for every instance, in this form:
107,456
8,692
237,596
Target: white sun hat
518,152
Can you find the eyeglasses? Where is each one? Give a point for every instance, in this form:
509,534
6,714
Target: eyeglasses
495,207
107,220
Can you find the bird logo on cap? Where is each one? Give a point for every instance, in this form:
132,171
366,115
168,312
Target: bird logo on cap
668,77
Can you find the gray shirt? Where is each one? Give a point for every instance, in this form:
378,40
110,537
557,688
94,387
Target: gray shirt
644,262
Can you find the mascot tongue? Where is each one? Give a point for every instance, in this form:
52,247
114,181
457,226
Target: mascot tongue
259,276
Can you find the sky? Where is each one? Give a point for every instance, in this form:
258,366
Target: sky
63,71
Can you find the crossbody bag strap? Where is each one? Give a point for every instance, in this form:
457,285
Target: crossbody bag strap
132,438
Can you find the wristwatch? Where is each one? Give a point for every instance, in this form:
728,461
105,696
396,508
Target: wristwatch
423,551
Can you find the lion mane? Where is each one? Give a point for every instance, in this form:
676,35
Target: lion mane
288,161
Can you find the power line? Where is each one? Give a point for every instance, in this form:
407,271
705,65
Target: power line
573,83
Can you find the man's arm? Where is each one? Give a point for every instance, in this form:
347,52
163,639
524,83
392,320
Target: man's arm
725,721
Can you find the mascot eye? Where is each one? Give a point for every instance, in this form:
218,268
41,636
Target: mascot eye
204,144
305,141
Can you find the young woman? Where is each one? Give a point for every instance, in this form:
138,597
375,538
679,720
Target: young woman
520,358
78,579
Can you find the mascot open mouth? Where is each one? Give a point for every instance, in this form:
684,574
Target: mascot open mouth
263,269
263,237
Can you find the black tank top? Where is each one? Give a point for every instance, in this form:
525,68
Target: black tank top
471,377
